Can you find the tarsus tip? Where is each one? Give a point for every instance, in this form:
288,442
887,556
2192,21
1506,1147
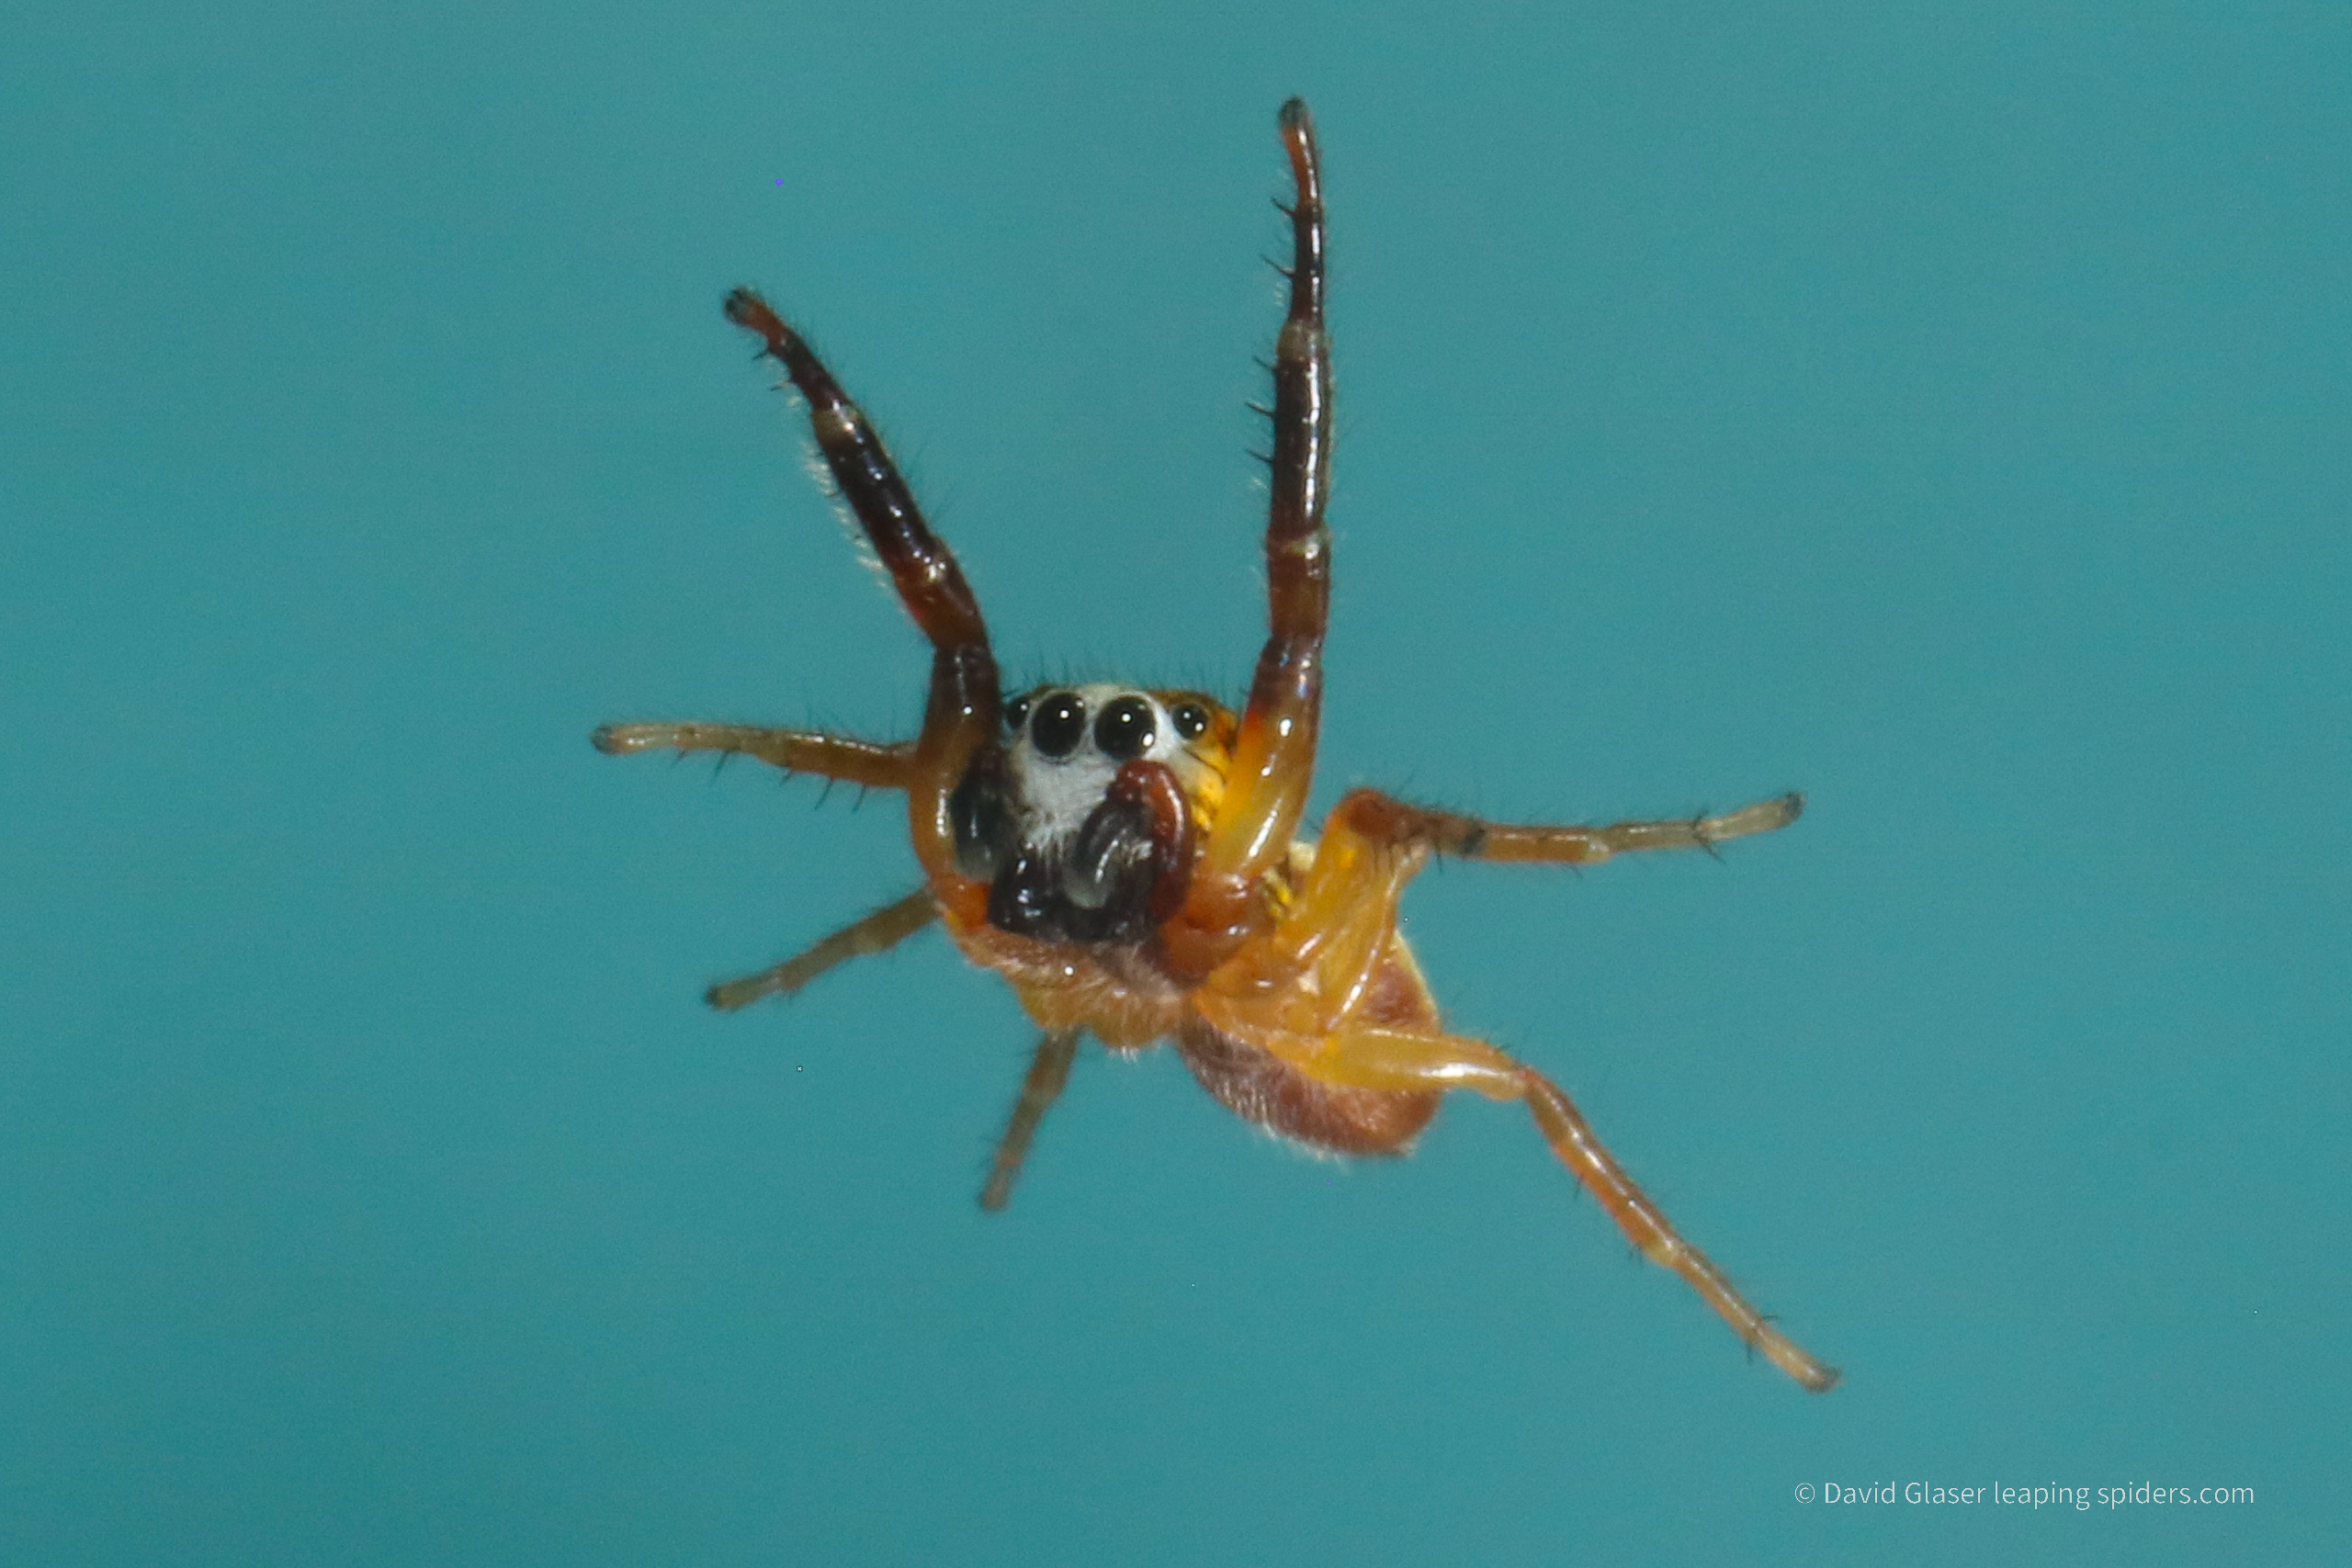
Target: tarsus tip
746,308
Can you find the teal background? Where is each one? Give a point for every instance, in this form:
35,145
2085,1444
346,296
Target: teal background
1941,409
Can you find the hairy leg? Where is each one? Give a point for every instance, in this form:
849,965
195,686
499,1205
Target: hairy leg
961,714
1403,1061
877,933
1296,994
1384,819
795,750
1274,758
1307,976
1048,1071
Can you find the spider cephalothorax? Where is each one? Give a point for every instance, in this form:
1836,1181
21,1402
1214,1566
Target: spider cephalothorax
1131,861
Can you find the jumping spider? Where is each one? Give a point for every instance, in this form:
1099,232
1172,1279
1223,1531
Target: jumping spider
1129,859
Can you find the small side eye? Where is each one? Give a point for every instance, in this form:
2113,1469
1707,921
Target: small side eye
1059,726
1124,732
1016,713
1191,720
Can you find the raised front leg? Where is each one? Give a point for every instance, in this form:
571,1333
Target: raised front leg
1273,755
961,714
1403,1061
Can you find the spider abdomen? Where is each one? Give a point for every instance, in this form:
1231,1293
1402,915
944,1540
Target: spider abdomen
1260,1087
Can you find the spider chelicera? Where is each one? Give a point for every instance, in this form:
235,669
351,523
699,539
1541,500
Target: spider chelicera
1129,859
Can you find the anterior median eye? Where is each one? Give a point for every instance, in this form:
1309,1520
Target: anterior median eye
1124,732
1060,725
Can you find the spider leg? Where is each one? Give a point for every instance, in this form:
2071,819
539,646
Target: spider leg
1301,994
1382,818
961,712
795,750
1048,1071
1308,974
1274,758
1406,1061
877,933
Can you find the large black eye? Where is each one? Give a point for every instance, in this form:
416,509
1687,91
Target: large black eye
1059,726
1124,732
1017,713
1191,720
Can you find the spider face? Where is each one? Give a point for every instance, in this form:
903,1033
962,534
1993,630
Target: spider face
1131,861
1063,745
1064,819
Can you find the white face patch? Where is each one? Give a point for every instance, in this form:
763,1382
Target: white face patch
1055,794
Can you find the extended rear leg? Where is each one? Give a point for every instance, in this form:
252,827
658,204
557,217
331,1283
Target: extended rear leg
795,750
1048,1072
1301,994
877,933
1399,1060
